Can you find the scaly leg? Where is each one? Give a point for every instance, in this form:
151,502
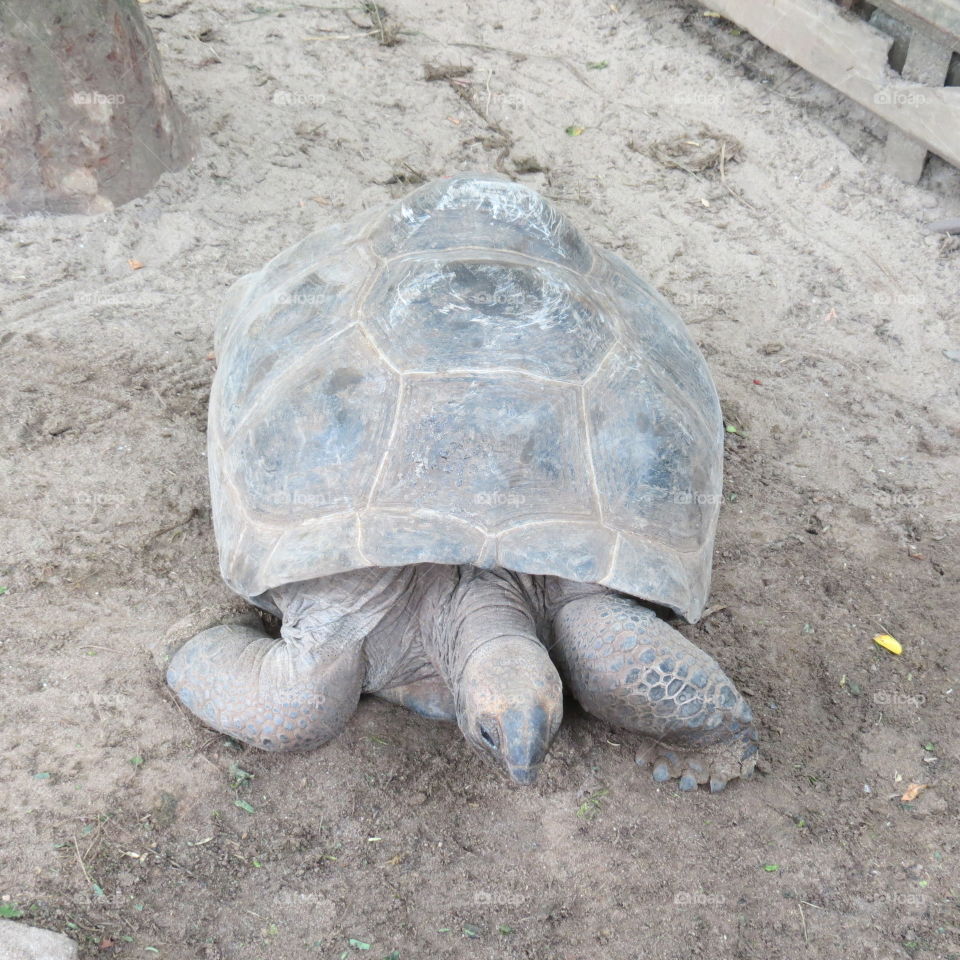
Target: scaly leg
298,691
269,693
628,667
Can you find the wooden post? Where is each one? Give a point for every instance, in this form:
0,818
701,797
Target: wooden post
928,61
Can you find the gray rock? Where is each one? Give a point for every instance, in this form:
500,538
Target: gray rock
21,942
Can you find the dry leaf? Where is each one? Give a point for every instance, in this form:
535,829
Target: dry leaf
135,264
912,792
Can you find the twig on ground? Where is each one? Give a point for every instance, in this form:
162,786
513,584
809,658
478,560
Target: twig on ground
76,846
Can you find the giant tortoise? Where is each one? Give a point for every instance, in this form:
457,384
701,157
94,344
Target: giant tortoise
462,453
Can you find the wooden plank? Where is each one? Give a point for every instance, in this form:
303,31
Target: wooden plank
903,156
939,18
851,56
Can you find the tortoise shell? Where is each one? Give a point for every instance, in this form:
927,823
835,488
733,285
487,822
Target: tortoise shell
462,378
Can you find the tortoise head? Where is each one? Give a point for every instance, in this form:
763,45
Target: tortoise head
510,704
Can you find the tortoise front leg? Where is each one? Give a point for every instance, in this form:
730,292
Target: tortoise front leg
286,694
299,691
628,667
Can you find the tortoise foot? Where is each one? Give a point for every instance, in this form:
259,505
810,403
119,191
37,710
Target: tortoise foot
715,764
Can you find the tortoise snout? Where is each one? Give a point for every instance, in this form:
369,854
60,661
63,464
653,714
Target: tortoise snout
526,735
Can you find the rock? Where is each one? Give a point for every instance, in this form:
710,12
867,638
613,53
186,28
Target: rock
21,942
89,122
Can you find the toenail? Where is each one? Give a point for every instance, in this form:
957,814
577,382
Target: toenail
717,784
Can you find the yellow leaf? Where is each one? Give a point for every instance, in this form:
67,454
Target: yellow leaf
888,643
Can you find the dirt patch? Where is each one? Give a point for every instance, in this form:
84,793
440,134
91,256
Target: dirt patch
827,315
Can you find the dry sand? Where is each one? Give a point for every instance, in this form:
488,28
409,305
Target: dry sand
824,311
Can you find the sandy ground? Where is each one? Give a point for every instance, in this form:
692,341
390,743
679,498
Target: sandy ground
824,311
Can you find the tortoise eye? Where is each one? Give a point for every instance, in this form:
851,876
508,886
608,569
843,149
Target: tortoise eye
489,735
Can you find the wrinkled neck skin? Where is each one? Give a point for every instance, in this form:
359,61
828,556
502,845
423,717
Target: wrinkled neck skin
354,608
465,609
423,617
467,614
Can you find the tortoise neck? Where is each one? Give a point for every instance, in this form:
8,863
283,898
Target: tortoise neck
466,609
